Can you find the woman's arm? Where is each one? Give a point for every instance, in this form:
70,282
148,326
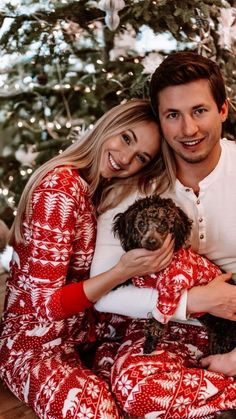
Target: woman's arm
135,262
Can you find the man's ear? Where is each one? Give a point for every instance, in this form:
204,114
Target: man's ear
224,111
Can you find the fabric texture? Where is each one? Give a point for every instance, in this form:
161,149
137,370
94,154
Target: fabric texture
186,269
39,360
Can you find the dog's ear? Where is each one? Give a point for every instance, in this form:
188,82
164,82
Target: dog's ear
123,227
182,228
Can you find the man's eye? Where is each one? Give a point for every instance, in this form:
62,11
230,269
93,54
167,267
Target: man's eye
200,111
126,138
172,115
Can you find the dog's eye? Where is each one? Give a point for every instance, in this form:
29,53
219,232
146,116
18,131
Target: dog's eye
141,225
163,227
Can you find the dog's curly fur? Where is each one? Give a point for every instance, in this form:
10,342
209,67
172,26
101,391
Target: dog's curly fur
145,224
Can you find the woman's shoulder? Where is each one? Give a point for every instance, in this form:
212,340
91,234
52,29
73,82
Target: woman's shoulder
65,177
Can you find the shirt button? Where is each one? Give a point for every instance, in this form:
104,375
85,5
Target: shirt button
202,236
198,201
200,220
187,190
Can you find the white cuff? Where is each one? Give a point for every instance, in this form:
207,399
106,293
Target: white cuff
129,301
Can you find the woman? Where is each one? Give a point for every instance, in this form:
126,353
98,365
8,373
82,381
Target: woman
49,296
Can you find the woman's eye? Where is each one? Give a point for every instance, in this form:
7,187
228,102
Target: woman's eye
126,138
142,158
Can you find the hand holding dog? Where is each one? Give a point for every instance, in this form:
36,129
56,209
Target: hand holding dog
217,298
143,262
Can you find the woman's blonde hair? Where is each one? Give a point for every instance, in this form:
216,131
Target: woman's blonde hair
85,154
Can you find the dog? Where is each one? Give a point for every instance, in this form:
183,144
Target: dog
146,224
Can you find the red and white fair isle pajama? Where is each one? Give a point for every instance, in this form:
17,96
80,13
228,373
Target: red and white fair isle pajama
168,383
39,360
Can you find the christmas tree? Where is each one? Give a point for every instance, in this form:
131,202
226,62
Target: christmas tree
64,63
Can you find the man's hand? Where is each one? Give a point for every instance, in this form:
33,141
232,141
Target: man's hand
217,298
223,363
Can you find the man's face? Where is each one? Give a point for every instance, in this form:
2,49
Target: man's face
191,122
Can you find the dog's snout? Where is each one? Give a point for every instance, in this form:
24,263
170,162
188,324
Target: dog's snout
152,244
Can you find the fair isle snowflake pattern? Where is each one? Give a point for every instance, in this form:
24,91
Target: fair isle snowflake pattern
186,269
168,383
38,357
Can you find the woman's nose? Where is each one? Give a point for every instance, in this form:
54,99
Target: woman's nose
127,157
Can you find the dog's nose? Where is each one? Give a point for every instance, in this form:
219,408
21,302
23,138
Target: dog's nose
152,244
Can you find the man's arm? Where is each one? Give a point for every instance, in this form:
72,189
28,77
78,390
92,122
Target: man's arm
223,363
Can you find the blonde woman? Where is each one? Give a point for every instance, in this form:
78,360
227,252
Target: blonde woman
49,298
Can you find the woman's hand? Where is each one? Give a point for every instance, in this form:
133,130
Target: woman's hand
223,363
217,298
143,262
135,262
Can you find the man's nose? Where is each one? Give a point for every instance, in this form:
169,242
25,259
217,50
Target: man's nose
189,126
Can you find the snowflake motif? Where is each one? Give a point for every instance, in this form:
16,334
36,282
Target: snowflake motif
66,369
23,282
50,181
49,388
124,385
181,403
85,412
62,237
75,189
191,380
93,390
100,328
148,369
59,256
178,329
84,261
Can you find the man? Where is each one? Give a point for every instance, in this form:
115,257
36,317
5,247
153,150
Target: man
188,96
191,111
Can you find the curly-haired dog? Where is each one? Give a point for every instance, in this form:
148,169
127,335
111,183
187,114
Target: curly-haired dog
146,224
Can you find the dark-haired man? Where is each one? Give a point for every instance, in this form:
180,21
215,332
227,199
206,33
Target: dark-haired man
188,96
